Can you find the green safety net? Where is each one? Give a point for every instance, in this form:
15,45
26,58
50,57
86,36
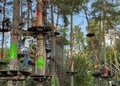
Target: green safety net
40,62
13,51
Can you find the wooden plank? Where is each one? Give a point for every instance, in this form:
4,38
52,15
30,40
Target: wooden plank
22,78
71,73
3,63
12,73
4,30
40,78
25,73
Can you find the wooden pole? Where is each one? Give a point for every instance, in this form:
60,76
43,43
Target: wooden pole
104,42
96,57
3,31
71,49
13,64
40,42
115,55
53,40
110,52
2,37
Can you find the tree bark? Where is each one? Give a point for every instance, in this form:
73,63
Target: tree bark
40,43
53,41
13,65
115,55
3,32
104,42
71,49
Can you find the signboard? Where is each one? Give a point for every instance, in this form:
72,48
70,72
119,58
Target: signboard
40,62
13,51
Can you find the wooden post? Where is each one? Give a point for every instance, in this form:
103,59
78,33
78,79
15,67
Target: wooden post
104,42
53,40
24,83
71,50
13,64
115,58
41,54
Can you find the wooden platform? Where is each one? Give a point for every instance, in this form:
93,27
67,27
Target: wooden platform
16,75
13,73
97,75
40,78
90,35
106,77
4,30
22,78
3,63
71,73
56,33
39,29
24,73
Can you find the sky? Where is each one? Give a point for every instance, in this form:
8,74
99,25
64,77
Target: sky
78,20
81,21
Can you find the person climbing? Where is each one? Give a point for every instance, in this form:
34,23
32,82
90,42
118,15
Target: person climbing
26,58
26,51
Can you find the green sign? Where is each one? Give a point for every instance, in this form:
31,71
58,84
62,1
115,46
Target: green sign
13,51
40,62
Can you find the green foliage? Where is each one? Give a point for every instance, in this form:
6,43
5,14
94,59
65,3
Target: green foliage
62,39
6,56
54,81
79,40
82,66
68,7
106,12
118,49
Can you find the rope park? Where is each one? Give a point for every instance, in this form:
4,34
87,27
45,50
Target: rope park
36,49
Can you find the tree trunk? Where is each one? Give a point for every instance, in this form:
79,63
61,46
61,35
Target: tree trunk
13,65
24,83
14,33
29,12
40,44
53,40
96,57
115,55
3,32
71,49
104,42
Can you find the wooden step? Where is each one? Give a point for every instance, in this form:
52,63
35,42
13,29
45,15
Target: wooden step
90,35
71,73
4,30
40,78
12,73
39,29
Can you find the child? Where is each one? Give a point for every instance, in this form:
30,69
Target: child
26,58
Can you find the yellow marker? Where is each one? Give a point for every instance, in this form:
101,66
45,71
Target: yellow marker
95,66
98,65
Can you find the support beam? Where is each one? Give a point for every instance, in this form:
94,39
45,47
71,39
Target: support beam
13,65
41,53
